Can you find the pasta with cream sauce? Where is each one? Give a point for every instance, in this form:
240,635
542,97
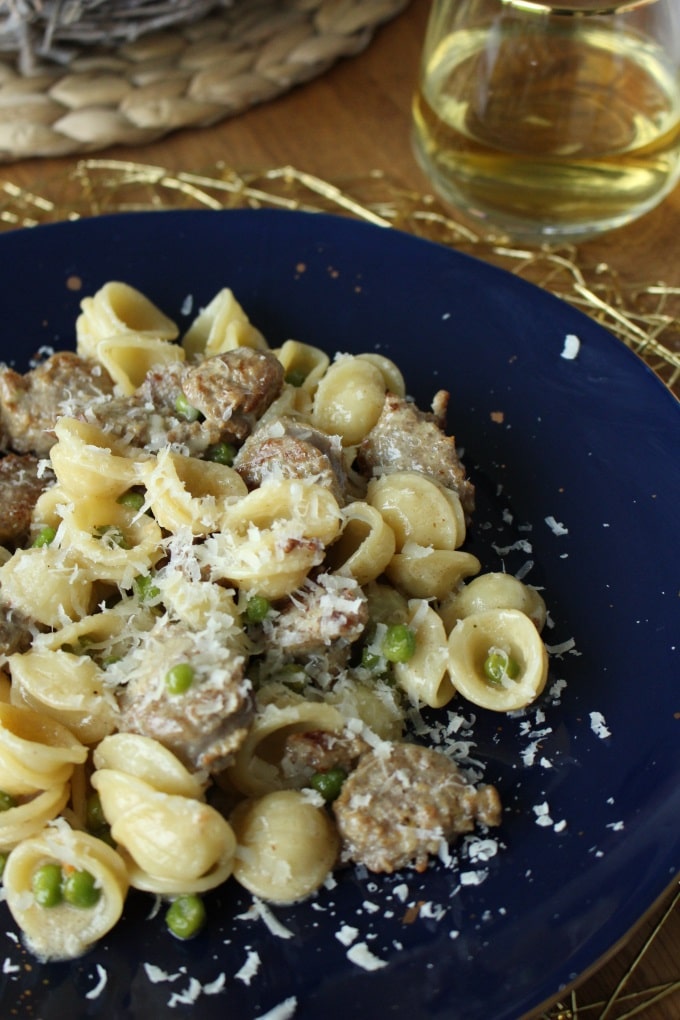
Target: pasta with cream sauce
245,569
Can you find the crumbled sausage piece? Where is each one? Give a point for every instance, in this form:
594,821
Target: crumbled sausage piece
31,404
403,802
289,448
329,611
16,630
204,725
407,439
234,389
21,483
148,418
318,751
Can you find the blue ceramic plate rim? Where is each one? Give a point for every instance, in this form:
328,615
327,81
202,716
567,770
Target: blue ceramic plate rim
576,472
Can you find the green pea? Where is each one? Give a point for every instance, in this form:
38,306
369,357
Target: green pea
113,535
185,916
221,453
46,885
295,377
145,588
293,676
498,666
185,410
7,801
399,643
370,660
95,819
257,608
179,678
80,889
132,499
329,783
3,862
45,536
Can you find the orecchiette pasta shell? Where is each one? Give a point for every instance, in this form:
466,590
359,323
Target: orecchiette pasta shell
128,358
295,507
430,573
119,308
48,585
28,818
149,761
64,932
199,603
221,326
418,509
272,537
184,492
375,703
365,546
310,362
162,885
256,766
394,380
425,676
174,838
119,792
94,632
495,590
287,846
349,399
88,461
474,638
36,752
66,687
90,527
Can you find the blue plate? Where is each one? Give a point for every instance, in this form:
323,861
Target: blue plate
576,465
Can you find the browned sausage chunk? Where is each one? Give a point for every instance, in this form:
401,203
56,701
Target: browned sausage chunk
30,404
403,802
234,389
21,482
407,439
203,725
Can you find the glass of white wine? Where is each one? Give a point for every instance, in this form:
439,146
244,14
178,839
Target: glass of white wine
550,120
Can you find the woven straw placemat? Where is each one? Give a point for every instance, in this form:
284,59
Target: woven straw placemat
192,66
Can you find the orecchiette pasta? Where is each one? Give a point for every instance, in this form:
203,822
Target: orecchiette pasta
418,510
422,572
170,843
221,326
287,846
65,930
68,687
257,767
497,659
117,309
425,676
349,399
224,609
36,751
366,544
183,492
89,462
47,584
494,590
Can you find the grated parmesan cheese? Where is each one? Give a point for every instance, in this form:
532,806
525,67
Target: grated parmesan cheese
572,346
360,955
599,726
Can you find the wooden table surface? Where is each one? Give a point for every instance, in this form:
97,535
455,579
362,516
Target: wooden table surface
354,119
